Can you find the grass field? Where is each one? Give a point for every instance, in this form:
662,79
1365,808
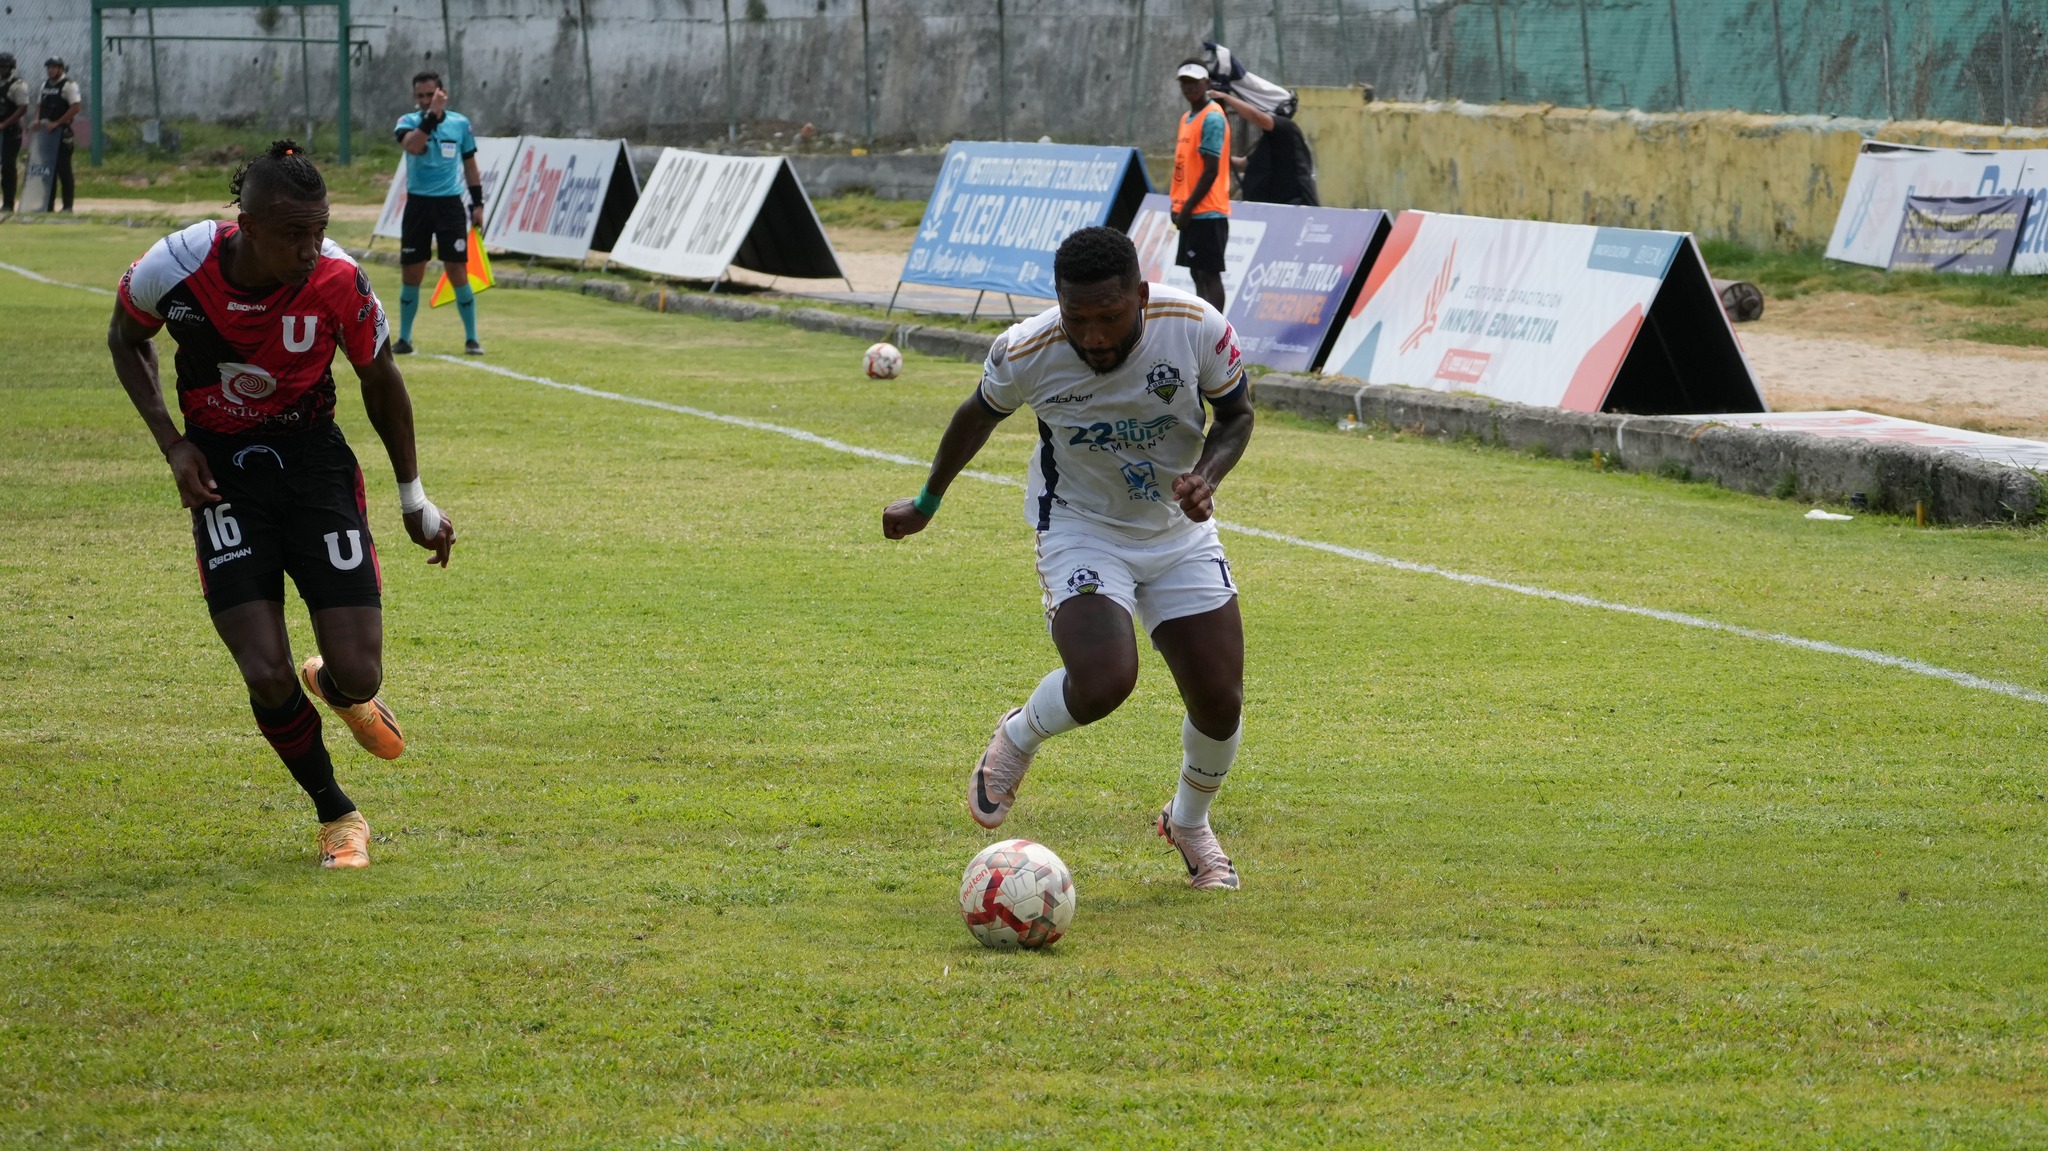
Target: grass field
671,859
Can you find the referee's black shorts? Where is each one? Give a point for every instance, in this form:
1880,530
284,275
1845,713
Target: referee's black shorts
434,222
1202,243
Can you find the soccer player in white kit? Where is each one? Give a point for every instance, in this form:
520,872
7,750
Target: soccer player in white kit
1122,495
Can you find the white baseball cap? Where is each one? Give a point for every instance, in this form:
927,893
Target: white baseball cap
1191,72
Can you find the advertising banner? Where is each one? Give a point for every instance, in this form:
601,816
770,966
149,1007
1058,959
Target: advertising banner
1970,234
999,211
564,197
1558,315
702,213
2030,255
493,157
1874,204
1288,273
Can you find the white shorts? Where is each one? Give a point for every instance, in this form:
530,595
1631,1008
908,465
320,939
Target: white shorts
1181,575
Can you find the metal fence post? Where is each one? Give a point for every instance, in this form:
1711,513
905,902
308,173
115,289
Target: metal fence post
1137,77
2005,56
305,76
1216,20
1586,51
1280,46
732,120
344,129
99,114
1500,54
1002,72
1778,35
867,69
1885,42
1677,57
1344,46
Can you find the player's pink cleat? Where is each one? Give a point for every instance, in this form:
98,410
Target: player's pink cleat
1208,867
992,788
370,721
345,842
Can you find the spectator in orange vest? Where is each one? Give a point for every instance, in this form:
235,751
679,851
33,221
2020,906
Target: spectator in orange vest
1200,195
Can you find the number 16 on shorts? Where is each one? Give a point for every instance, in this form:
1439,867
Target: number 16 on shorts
221,529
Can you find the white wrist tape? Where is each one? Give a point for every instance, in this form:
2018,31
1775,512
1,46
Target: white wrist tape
412,497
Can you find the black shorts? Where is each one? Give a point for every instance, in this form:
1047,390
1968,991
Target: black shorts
434,222
288,504
1202,243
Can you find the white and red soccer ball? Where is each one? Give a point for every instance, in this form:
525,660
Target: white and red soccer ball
884,362
1017,894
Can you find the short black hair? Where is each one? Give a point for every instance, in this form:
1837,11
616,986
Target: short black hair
283,169
428,77
1093,255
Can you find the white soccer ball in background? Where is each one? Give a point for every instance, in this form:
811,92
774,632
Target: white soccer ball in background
884,362
1017,894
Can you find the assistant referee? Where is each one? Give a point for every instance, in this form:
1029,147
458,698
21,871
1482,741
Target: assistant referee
440,160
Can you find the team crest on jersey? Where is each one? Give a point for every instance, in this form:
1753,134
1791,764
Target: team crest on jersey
244,383
1084,581
1143,479
1164,381
362,282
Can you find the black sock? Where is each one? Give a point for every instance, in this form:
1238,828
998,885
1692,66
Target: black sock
331,693
294,733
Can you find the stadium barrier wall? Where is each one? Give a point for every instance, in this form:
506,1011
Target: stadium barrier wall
1769,182
1893,477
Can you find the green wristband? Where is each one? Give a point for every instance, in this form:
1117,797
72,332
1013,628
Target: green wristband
926,504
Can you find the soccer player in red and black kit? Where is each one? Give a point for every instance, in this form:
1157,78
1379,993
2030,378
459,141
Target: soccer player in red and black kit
258,308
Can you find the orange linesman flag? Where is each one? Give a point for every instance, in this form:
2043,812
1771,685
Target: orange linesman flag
479,273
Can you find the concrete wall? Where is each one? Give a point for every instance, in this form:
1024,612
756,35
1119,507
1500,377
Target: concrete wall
1765,181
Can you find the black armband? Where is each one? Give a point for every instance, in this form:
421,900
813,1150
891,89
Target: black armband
476,195
431,120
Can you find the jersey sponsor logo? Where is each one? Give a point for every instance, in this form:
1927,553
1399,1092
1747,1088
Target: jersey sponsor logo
239,306
1121,435
251,450
1069,398
362,282
224,557
1143,479
182,312
1084,581
1164,381
245,383
1229,335
302,339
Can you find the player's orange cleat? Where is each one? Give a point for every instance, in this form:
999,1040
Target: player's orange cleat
345,842
370,721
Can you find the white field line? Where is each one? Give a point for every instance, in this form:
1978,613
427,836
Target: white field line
39,278
1884,659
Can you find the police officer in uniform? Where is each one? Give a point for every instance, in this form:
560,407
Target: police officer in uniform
14,105
58,105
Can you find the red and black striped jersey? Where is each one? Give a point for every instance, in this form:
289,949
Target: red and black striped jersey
253,362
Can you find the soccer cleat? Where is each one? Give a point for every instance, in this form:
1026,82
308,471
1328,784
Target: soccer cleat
471,347
370,721
1208,867
401,347
992,788
345,842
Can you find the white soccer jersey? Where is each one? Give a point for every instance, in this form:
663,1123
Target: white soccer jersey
1110,445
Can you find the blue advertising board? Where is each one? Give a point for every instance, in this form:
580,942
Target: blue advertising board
1289,274
1972,234
999,211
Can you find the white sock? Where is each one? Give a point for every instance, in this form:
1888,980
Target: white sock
1044,715
1201,773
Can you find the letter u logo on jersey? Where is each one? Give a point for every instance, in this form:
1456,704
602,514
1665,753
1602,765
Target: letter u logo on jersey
299,341
355,550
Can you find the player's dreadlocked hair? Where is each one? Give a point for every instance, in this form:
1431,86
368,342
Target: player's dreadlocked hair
283,168
1093,255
